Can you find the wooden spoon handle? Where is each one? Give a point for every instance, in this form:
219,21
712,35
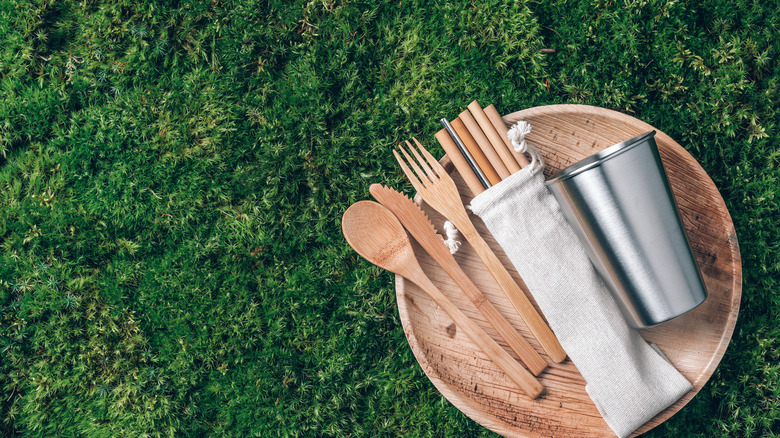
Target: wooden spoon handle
519,300
535,363
524,379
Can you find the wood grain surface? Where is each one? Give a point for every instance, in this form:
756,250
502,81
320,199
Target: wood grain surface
694,342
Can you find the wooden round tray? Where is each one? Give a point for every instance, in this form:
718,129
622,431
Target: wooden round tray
694,342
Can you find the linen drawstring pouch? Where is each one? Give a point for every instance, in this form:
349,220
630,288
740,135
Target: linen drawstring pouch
628,380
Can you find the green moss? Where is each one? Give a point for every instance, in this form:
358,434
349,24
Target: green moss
173,176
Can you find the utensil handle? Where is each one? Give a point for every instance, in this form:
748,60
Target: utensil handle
519,300
535,363
524,379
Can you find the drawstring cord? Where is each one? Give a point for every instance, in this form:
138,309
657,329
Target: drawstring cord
452,234
516,135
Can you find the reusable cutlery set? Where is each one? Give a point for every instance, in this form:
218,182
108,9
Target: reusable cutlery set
480,150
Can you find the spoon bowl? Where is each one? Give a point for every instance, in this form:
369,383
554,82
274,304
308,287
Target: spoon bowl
377,235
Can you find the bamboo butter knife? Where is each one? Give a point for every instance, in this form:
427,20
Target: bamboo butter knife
420,227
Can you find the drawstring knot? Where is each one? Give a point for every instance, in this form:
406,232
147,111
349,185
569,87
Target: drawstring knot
516,135
452,234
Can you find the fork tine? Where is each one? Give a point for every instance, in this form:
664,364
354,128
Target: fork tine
416,183
411,161
431,174
432,161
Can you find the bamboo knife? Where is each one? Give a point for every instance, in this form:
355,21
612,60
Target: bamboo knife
420,227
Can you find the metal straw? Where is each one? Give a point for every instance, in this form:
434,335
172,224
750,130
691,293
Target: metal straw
465,152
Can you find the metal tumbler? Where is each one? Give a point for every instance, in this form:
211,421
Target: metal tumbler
621,206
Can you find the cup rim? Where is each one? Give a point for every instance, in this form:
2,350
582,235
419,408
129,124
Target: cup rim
599,157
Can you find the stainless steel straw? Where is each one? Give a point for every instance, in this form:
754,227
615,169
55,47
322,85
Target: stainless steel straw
466,154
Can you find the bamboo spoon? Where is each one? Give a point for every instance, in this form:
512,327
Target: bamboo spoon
498,123
420,227
373,231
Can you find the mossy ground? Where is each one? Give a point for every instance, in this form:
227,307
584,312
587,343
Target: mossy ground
173,175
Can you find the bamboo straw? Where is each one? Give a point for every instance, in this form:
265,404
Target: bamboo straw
484,144
475,151
492,135
459,162
498,123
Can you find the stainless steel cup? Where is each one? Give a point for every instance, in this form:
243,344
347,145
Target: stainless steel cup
621,206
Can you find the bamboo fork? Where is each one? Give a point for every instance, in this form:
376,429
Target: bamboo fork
438,189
